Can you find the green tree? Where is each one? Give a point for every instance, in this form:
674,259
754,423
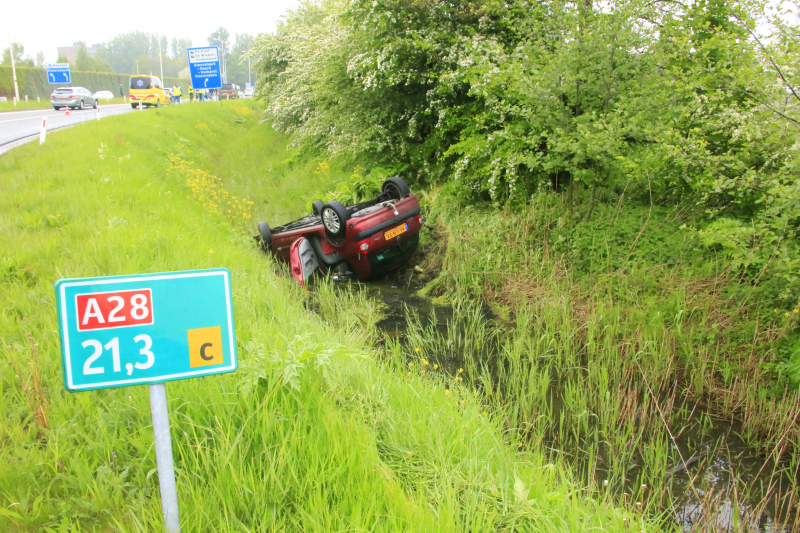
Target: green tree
40,59
220,37
19,50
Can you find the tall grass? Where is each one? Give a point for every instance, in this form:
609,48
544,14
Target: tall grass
619,372
311,434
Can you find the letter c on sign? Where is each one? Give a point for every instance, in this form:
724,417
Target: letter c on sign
203,352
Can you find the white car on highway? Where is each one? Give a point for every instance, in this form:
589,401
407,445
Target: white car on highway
105,95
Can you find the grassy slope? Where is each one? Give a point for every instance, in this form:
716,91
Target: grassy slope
355,447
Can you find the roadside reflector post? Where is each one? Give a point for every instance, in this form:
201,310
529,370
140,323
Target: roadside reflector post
159,411
15,100
43,131
26,97
97,112
38,99
147,329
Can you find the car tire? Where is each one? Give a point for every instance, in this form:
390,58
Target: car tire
158,103
57,108
396,188
81,106
94,106
334,220
316,207
134,106
265,232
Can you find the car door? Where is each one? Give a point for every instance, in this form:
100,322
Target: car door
303,260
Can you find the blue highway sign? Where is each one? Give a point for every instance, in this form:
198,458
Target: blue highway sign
58,73
204,67
147,328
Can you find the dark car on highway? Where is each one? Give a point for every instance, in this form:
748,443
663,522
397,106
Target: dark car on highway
364,240
72,97
228,92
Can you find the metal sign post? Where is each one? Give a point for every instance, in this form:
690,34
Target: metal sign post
120,331
166,469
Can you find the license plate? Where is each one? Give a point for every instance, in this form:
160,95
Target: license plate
394,232
63,98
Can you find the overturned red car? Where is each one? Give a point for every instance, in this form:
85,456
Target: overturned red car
363,240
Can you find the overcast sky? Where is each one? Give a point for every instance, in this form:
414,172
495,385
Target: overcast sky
37,26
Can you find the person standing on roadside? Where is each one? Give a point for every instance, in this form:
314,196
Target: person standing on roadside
191,93
176,93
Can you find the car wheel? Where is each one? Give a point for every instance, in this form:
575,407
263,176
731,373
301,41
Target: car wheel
266,233
57,108
334,219
81,106
395,188
158,103
95,104
134,106
316,207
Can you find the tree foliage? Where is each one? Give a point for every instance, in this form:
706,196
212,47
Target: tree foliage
684,104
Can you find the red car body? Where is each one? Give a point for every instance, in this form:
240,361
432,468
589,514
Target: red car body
379,236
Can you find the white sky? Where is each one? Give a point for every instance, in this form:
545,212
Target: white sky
37,26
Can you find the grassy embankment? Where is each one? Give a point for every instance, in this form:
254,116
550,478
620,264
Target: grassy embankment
354,446
33,105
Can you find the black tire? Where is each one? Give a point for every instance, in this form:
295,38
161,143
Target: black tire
57,108
334,220
316,207
395,188
134,106
95,104
266,233
81,106
158,103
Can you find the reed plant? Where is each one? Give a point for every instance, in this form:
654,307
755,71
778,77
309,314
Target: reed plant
625,370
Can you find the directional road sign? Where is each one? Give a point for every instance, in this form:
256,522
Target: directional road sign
204,67
58,73
146,328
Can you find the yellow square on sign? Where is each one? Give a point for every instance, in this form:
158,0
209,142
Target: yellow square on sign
205,346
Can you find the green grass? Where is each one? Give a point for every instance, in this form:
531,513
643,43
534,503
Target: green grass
311,434
609,335
32,105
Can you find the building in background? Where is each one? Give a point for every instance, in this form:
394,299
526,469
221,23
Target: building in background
71,52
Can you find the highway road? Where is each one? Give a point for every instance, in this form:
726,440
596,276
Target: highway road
18,127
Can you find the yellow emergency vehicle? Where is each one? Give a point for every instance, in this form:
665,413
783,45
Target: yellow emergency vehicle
147,90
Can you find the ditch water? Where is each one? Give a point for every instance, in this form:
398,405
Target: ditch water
712,468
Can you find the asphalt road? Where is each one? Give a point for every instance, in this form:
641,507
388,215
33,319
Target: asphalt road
18,127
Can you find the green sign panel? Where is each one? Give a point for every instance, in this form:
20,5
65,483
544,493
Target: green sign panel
148,328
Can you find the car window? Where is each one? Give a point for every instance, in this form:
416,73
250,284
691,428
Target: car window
141,82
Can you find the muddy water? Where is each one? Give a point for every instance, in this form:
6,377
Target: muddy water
719,465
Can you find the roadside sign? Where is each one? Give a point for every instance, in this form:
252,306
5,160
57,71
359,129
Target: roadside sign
58,73
147,328
204,67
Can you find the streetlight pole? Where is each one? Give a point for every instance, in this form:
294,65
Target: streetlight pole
160,61
249,79
224,64
14,73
